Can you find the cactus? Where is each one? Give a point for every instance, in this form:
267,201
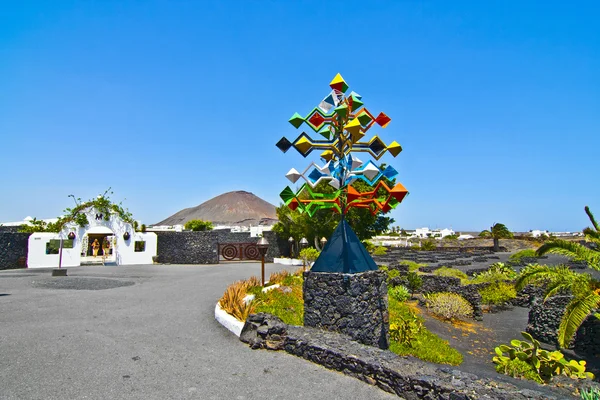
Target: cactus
545,363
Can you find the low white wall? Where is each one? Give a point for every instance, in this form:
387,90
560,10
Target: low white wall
287,261
37,257
126,254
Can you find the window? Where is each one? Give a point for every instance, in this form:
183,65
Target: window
139,246
53,246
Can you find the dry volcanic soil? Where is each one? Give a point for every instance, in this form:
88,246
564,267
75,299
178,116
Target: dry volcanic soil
476,340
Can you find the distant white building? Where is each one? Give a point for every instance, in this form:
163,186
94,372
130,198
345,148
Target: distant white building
537,233
165,228
424,233
255,231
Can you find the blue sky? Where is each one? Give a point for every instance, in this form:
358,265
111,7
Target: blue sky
170,103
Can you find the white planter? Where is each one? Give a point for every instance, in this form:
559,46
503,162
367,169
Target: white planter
287,261
229,321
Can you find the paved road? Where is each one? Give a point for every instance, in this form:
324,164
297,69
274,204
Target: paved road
156,339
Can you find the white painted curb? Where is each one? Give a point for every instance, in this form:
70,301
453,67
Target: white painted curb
234,325
228,321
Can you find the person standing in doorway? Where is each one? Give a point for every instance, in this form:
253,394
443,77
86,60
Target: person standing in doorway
95,247
105,247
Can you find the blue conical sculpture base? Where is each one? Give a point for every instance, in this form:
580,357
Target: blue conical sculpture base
344,253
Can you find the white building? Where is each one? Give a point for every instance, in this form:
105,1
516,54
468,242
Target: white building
125,246
424,233
255,231
537,233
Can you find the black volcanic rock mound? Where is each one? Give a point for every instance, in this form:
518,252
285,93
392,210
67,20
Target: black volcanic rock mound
231,208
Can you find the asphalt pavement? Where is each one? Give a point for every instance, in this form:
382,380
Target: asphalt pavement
143,332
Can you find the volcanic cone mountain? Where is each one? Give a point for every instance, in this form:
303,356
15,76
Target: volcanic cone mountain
232,208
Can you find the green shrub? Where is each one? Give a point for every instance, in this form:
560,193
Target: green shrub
412,265
413,282
380,251
292,279
446,271
450,237
289,306
425,345
543,362
591,393
391,274
450,306
504,269
369,246
516,258
255,290
399,293
198,225
406,330
519,369
495,273
498,293
428,245
309,254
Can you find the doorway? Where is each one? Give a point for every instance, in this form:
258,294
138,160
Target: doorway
105,243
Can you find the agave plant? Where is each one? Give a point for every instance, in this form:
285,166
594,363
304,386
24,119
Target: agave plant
577,251
497,231
585,290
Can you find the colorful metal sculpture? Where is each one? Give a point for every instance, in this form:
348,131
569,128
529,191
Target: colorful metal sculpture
343,121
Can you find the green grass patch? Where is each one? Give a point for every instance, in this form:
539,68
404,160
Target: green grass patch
498,293
412,266
427,346
287,306
452,272
516,257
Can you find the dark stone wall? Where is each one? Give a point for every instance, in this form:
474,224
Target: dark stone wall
544,320
13,229
587,338
526,297
545,316
187,247
447,257
353,304
407,377
13,250
202,247
436,284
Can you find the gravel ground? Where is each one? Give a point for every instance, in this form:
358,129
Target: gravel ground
155,339
477,340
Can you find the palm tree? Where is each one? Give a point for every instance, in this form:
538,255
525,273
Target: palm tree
496,232
590,253
585,290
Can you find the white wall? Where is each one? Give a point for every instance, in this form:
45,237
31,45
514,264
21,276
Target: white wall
126,254
37,257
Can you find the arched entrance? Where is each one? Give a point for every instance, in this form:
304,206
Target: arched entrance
99,246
